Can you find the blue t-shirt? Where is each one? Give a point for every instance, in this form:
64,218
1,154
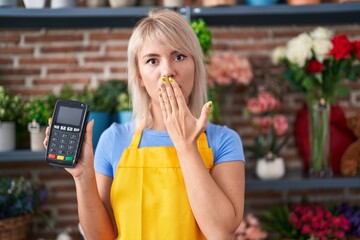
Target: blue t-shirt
224,142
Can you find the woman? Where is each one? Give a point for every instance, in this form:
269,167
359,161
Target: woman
169,174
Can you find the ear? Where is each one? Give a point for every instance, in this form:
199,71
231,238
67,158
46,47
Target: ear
139,79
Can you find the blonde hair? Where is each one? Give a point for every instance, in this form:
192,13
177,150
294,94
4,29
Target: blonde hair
171,30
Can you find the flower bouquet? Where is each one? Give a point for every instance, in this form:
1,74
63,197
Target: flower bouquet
305,221
267,123
315,63
224,70
269,127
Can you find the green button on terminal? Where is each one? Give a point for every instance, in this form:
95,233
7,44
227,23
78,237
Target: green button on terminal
68,158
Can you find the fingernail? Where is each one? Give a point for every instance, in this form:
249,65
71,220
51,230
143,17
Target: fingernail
160,94
163,79
171,80
209,104
49,121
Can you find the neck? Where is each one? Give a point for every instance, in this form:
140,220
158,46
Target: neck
158,121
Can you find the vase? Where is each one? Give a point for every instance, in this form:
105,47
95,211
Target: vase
260,2
37,136
173,3
101,122
319,133
7,136
270,167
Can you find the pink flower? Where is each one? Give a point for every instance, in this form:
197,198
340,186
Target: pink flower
269,101
280,125
255,106
263,124
226,68
306,229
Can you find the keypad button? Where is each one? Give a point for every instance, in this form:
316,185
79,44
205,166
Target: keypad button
56,126
56,133
60,157
76,129
61,152
73,136
69,129
71,153
62,127
68,158
52,150
71,147
55,139
62,146
52,156
72,141
63,141
64,135
53,145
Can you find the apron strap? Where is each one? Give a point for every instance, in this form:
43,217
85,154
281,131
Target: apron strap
137,136
202,141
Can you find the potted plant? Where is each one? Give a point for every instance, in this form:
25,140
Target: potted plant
37,112
10,108
124,110
118,100
99,110
269,127
20,199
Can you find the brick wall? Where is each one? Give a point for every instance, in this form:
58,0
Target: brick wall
37,61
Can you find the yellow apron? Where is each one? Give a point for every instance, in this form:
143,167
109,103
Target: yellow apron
148,195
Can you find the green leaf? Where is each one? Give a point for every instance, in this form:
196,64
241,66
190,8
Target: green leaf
343,91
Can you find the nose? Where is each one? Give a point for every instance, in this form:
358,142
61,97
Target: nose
168,70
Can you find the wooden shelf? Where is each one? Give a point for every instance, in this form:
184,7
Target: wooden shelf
292,180
238,15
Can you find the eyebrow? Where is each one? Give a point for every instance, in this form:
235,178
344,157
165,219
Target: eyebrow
157,55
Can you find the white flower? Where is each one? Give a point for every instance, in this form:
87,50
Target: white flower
278,54
299,49
321,48
321,33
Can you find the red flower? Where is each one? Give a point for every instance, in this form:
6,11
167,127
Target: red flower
314,67
356,46
342,47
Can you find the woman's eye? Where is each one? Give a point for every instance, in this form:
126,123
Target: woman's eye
151,61
180,57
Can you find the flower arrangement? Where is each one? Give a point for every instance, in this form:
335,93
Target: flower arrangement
226,68
268,124
250,229
19,197
305,221
316,62
352,213
10,106
39,109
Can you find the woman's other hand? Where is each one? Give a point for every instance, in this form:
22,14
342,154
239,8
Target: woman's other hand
182,126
